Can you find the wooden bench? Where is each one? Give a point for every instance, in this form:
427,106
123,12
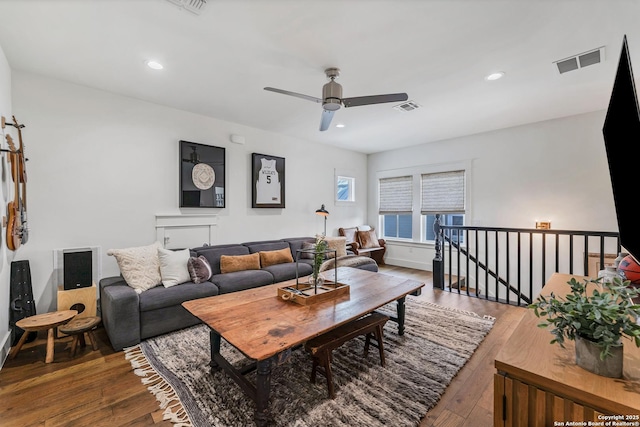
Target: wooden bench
321,346
377,253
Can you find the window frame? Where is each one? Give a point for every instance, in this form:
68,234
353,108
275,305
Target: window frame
350,175
418,223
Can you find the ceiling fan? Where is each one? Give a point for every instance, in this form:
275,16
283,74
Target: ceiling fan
332,98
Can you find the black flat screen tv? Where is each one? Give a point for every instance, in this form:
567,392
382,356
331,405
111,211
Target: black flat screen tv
621,132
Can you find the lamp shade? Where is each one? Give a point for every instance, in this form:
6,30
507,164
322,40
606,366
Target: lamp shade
322,211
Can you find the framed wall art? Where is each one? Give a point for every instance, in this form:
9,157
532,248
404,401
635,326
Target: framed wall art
202,175
267,181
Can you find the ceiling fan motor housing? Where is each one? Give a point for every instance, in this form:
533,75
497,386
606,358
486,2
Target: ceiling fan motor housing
332,96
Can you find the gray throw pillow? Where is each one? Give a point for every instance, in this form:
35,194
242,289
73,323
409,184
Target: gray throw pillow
199,269
306,246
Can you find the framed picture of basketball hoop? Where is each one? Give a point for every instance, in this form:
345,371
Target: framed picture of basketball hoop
202,175
267,181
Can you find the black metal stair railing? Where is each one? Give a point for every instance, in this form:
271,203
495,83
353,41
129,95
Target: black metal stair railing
511,265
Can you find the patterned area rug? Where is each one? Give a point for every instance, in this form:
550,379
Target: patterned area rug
419,365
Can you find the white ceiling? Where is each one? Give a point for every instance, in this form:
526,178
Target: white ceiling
217,63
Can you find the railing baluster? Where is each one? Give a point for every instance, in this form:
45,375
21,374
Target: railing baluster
456,235
571,253
507,265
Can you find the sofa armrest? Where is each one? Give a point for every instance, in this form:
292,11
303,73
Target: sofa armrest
382,242
120,310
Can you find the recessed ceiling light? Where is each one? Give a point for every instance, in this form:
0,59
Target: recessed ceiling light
340,125
495,76
155,65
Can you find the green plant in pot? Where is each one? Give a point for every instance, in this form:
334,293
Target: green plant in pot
318,258
597,321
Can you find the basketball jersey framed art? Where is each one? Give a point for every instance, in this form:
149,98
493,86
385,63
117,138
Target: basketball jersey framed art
267,181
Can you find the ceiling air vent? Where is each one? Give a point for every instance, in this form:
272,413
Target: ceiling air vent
581,60
194,6
405,107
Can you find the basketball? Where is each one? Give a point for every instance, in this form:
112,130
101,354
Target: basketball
630,270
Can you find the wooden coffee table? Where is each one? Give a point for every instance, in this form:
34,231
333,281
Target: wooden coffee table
266,329
42,322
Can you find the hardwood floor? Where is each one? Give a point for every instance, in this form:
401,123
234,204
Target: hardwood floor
98,388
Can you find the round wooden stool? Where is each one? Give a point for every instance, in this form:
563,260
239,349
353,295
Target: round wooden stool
77,328
42,322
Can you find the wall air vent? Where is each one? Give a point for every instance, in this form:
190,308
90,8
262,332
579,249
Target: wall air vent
194,6
581,60
405,107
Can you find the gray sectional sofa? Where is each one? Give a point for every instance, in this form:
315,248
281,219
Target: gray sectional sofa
129,317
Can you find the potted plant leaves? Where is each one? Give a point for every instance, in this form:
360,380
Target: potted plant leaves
597,321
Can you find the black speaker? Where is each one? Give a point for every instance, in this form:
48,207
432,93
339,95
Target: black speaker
77,269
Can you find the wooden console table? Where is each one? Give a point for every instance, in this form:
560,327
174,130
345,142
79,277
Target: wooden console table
539,384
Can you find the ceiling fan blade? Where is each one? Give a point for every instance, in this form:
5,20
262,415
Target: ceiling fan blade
297,95
325,120
374,99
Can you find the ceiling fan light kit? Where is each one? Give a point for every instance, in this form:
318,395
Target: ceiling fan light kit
332,98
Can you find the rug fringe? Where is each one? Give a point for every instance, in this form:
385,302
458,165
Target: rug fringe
165,394
457,310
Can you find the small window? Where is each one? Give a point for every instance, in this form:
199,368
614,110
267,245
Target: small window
345,189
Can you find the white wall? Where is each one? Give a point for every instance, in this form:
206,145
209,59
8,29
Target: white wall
102,165
6,194
555,170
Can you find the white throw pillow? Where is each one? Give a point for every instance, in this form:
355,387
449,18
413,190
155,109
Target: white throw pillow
173,266
139,266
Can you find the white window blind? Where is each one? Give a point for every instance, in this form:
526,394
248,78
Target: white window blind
443,193
396,195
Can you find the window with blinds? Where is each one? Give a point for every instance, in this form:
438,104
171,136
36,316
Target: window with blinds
396,206
442,193
396,195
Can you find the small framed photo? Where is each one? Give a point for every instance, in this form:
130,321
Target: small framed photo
202,176
267,181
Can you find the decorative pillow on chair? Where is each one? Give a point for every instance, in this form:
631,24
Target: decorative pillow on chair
339,244
368,239
280,256
173,266
231,263
199,269
139,266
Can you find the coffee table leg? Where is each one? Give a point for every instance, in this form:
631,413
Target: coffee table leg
215,350
263,387
401,313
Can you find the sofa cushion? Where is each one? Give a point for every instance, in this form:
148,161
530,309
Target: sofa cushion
281,256
287,271
368,239
295,243
231,263
161,297
139,266
199,269
240,280
213,254
173,266
266,246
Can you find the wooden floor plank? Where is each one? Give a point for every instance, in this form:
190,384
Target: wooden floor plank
99,388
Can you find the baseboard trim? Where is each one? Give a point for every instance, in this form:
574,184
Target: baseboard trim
409,264
5,348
